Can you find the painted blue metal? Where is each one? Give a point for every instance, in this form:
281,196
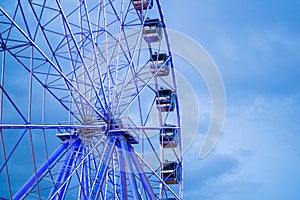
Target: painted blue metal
23,16
127,158
138,93
64,172
44,167
92,38
13,150
159,179
61,174
70,33
63,178
123,184
49,126
102,169
44,56
141,173
81,173
85,176
129,171
176,96
62,191
26,43
13,104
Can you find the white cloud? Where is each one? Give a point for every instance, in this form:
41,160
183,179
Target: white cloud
257,156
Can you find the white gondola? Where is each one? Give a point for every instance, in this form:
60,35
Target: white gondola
142,4
165,100
168,137
170,173
160,62
152,31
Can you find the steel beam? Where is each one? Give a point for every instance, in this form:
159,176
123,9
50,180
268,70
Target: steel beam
142,175
45,166
102,169
125,151
64,172
123,184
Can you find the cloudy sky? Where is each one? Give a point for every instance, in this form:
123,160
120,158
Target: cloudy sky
256,46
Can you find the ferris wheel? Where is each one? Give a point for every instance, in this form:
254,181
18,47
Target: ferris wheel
89,103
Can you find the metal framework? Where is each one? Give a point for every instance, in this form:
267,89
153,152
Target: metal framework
95,78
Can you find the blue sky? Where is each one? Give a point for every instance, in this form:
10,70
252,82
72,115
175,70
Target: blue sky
255,45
